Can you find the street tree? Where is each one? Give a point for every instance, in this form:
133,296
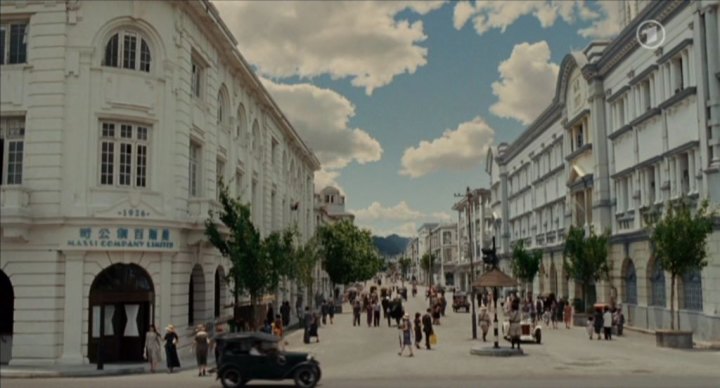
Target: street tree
427,261
525,264
348,253
307,257
405,263
679,241
585,258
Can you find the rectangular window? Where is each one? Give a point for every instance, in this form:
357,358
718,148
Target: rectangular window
645,95
677,74
684,164
196,77
650,178
194,169
13,43
219,176
123,154
12,148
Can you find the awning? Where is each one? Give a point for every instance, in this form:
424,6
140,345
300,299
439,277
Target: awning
495,278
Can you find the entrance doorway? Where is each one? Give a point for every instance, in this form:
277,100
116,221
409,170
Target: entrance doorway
126,294
7,307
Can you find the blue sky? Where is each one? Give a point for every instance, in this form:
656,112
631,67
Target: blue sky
374,89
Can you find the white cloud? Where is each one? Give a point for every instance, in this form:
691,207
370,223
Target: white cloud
408,229
487,15
356,39
528,69
459,149
321,118
399,212
325,178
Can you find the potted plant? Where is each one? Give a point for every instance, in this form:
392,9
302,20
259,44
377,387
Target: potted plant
678,239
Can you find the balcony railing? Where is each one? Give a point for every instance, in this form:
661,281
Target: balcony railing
625,220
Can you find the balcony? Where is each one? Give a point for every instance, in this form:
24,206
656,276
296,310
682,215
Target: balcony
625,221
540,239
550,237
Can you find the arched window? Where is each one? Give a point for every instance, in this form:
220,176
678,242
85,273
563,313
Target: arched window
630,281
128,50
222,109
241,121
657,285
692,291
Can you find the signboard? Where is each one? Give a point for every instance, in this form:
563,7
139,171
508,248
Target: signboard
106,237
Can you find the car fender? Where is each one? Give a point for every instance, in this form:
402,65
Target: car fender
297,366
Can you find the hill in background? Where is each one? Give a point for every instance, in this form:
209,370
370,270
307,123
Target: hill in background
391,245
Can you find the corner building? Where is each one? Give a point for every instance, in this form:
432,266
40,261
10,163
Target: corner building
118,120
628,128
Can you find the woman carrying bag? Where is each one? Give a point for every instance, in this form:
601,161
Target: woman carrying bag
153,344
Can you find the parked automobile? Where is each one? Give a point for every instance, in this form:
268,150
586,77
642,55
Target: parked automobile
460,301
257,356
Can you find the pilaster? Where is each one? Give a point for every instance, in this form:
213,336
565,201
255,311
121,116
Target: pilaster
73,309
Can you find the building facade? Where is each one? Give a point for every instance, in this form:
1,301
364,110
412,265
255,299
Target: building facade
628,128
423,247
119,120
481,231
442,243
330,207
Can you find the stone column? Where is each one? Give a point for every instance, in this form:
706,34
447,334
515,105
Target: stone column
165,301
73,311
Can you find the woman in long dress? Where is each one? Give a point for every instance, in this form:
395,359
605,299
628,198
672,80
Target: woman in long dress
406,335
171,356
153,344
200,347
514,318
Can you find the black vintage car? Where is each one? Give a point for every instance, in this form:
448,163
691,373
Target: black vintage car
257,356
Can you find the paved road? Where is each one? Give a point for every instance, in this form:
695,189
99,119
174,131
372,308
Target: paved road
367,357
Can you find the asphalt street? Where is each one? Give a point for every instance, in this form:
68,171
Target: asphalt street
367,357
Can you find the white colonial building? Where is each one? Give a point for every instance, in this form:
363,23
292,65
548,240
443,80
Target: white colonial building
118,120
480,227
628,128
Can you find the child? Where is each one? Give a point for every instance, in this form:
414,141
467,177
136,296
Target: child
589,327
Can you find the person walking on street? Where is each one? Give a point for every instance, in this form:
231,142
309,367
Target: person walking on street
369,309
619,320
171,341
417,326
484,319
356,313
270,313
314,324
285,313
589,327
153,344
307,322
427,328
598,322
568,314
324,311
406,335
376,314
607,324
514,319
436,313
331,310
386,309
200,347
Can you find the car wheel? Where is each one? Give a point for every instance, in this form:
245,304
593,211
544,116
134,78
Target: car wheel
306,377
538,336
230,378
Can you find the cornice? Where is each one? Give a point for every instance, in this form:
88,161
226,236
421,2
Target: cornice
670,54
576,119
618,94
621,131
543,122
679,96
652,112
643,75
577,152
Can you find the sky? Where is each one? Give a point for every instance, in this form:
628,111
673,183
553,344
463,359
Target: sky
400,100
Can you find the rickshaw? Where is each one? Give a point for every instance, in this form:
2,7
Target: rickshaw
460,301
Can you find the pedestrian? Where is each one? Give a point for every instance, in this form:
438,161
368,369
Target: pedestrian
270,313
219,330
200,346
443,305
171,341
427,328
417,326
406,335
553,314
307,322
514,319
285,312
298,308
324,311
560,310
153,344
314,324
369,309
357,307
436,313
607,323
386,308
589,327
619,320
568,315
331,310
598,321
376,314
484,319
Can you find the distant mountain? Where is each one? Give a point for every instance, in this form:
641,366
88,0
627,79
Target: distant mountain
391,245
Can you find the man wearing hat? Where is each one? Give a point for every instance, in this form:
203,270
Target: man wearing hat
484,319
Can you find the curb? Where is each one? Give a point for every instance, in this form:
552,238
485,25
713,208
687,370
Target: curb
39,374
697,345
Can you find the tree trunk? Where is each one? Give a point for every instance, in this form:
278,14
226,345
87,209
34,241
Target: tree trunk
672,302
253,302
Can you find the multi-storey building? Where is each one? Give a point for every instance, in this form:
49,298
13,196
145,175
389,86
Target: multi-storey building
628,128
480,231
423,233
412,252
442,243
119,119
330,207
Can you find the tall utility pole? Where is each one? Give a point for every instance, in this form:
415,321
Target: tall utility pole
468,212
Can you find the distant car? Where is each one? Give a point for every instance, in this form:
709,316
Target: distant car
460,301
237,366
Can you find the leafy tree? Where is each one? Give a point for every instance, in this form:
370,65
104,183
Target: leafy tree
427,261
525,264
306,258
679,240
256,265
348,254
405,264
585,258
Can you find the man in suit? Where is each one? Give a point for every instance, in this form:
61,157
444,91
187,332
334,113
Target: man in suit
307,322
427,328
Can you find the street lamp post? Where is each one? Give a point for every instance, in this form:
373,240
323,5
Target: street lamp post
468,207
